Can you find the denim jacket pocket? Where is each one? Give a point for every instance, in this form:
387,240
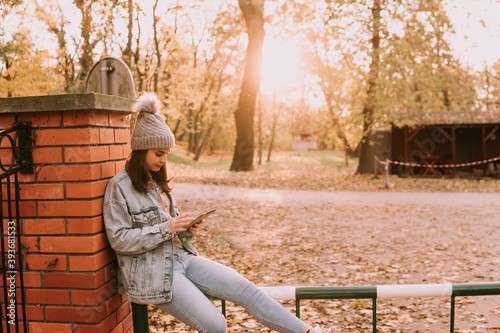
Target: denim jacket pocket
141,275
133,271
145,216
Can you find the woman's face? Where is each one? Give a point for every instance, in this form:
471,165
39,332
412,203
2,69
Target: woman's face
156,158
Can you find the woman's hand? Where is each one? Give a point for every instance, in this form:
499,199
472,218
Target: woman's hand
179,223
195,228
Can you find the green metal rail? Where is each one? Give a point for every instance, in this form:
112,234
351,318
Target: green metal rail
371,292
384,291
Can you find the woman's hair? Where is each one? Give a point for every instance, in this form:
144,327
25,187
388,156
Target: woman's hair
141,176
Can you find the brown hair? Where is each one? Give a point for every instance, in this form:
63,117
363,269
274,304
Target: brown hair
141,176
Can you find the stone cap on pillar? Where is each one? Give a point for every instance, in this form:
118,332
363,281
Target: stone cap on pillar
65,102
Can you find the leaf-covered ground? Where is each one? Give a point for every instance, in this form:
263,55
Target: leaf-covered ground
288,243
323,170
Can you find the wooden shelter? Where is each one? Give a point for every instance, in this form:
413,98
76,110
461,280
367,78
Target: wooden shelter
438,141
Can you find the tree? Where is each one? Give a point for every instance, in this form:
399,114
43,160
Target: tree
365,160
88,43
6,6
253,12
276,115
157,48
136,67
222,35
96,36
127,51
340,91
97,28
194,54
419,72
375,58
23,69
489,93
53,17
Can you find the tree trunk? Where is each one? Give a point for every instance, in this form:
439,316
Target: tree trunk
177,125
253,12
273,132
340,132
8,77
127,53
260,129
190,128
157,49
196,132
327,93
365,159
140,76
85,8
204,143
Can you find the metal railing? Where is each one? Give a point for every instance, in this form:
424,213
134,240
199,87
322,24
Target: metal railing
384,291
16,148
140,314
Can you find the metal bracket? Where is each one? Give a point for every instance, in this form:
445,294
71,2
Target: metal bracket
26,148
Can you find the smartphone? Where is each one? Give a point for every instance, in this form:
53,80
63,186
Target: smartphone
199,218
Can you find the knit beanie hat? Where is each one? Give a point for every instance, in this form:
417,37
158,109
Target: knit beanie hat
150,131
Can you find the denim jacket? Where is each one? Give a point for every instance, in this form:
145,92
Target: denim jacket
134,222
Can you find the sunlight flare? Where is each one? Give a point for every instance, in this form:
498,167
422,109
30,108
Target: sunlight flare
281,65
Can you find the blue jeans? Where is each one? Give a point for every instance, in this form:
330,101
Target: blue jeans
195,276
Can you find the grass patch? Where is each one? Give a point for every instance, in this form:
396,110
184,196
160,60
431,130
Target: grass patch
278,159
177,159
314,157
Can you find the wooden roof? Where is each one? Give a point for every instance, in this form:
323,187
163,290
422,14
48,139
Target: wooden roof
447,118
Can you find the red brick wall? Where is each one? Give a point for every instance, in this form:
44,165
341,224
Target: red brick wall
69,267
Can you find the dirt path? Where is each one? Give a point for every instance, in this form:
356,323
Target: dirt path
307,198
285,237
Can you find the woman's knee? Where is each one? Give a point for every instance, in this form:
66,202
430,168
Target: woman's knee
214,324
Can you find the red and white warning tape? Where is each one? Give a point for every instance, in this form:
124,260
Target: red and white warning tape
459,165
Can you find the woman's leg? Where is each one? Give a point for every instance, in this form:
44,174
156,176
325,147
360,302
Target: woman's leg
191,306
223,282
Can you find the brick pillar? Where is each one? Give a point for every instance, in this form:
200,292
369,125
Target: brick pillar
80,142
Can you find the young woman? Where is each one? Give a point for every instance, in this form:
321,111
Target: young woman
157,264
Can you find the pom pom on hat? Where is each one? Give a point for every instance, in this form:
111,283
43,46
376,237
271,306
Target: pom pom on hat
150,131
148,102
